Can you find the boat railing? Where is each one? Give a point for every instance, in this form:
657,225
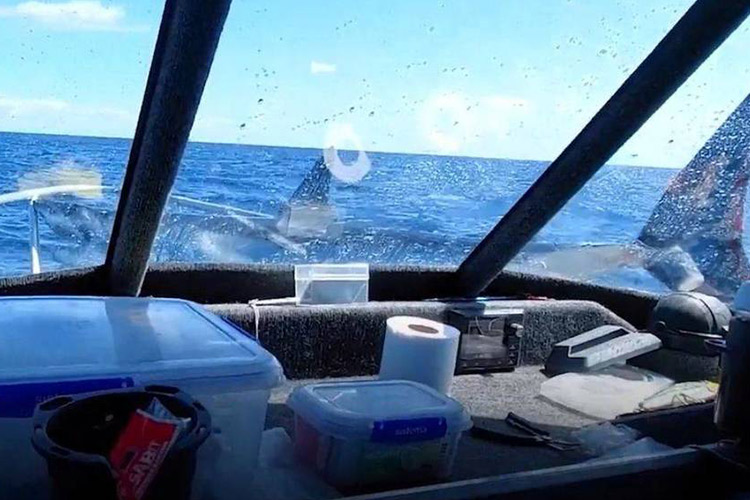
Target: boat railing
33,196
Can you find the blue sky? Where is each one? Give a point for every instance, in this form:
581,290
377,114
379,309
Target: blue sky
499,78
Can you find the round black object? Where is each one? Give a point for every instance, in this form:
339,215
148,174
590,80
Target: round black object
686,320
76,433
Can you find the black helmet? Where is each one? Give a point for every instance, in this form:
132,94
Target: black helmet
685,320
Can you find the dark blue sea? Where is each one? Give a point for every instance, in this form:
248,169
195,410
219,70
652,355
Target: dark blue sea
409,209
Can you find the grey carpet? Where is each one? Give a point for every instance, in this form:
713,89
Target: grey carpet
339,341
236,283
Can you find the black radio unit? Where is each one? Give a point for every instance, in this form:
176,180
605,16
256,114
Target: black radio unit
490,337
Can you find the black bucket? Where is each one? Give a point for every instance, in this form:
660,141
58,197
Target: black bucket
76,433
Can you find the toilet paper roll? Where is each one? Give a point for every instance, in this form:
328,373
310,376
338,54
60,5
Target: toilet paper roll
420,350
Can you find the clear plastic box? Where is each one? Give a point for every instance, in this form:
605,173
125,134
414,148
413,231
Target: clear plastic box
376,432
69,345
331,283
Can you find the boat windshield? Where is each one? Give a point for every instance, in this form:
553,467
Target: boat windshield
430,118
668,212
72,84
389,133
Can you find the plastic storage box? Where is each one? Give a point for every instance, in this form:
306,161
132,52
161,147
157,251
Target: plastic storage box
51,346
363,433
331,283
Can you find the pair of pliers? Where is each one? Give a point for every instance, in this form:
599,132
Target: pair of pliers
527,434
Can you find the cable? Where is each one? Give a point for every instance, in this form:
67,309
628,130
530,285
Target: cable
254,303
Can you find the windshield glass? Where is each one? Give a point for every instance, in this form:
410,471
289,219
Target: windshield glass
668,212
73,78
394,133
345,131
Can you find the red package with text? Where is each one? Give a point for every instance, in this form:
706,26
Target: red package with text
139,452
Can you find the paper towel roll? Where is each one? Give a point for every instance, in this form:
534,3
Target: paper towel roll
420,350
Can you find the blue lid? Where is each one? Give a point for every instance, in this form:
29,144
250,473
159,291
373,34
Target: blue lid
50,338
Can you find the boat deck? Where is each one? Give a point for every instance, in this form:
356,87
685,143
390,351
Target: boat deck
492,397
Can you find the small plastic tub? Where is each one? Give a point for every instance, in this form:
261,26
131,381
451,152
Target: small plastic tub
377,432
331,283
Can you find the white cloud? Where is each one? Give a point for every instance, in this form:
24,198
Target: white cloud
215,128
446,121
105,112
20,106
501,101
88,15
317,67
454,122
57,116
14,107
502,117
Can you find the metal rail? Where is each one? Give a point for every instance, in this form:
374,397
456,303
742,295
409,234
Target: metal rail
36,265
33,196
207,204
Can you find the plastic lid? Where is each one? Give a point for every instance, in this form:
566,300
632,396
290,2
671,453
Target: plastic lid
352,409
360,272
50,338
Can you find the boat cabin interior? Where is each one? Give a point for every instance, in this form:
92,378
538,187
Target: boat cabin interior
692,445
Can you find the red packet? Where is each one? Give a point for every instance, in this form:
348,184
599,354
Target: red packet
139,452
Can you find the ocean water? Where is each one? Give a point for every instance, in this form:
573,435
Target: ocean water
409,209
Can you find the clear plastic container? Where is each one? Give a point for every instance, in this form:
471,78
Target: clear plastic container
70,345
331,283
376,432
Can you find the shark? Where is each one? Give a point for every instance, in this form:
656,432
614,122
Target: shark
692,241
702,209
216,232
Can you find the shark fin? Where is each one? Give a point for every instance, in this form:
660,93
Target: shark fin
702,209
